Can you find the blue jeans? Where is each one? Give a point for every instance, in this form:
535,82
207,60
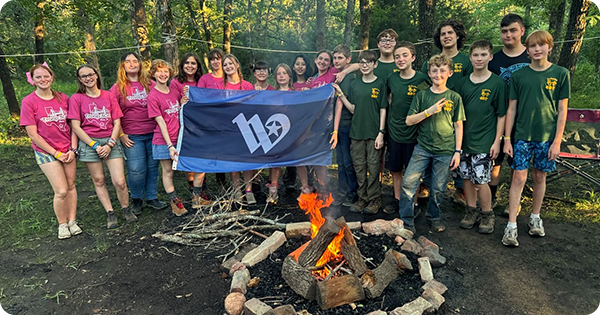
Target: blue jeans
440,167
347,182
142,169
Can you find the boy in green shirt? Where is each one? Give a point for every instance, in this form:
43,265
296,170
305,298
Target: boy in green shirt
484,98
402,139
386,40
439,113
367,101
537,109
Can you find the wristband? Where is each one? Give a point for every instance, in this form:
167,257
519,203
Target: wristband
58,154
74,151
111,142
122,134
92,144
170,145
334,132
506,138
339,94
96,144
426,114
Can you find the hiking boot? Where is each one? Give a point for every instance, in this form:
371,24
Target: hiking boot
156,204
273,196
128,214
63,231
136,206
536,227
349,201
177,207
358,206
250,199
373,206
488,219
338,199
471,217
392,207
459,197
205,198
506,211
111,220
74,228
200,200
437,226
510,237
423,192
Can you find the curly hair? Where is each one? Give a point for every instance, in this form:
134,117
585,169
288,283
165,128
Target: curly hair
459,29
181,75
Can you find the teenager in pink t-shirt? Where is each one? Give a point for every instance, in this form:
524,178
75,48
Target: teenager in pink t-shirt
131,89
96,119
211,80
261,73
44,115
302,73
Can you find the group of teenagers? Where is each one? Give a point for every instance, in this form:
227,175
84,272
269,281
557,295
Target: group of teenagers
460,114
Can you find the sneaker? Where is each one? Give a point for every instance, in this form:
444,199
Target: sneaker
506,211
349,201
358,206
488,220
63,231
273,196
156,204
74,228
128,214
373,206
111,220
392,207
471,217
437,226
510,237
250,199
536,227
237,195
338,199
459,197
177,207
423,192
136,206
306,190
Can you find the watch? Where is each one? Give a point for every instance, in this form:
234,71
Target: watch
458,151
382,131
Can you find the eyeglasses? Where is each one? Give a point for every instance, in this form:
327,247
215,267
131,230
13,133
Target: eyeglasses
85,76
387,41
261,70
365,63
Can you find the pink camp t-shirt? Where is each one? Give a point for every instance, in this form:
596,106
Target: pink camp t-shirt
135,119
328,77
299,86
177,86
245,86
50,117
96,114
166,106
209,81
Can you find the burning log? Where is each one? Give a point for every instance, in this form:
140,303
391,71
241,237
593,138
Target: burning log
313,252
298,278
350,250
339,291
392,266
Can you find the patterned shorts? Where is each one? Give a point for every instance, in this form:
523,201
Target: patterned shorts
523,151
43,157
476,167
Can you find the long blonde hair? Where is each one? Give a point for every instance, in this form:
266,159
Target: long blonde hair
239,69
123,80
288,70
55,94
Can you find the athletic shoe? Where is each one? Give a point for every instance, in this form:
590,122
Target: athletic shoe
136,206
510,237
392,207
128,214
373,206
74,228
349,201
358,206
471,217
198,201
273,196
156,204
177,207
459,197
423,192
536,227
111,220
250,199
437,226
338,199
488,220
63,231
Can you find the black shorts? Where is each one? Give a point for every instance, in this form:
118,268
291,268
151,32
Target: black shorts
500,158
398,155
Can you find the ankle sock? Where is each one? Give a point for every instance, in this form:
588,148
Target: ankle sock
197,190
535,216
511,225
172,195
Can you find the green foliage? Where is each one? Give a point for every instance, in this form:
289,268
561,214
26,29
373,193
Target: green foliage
584,90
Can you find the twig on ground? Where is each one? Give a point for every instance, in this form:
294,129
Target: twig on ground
170,252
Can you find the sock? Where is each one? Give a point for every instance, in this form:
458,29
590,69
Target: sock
172,195
535,216
191,183
493,189
197,191
512,225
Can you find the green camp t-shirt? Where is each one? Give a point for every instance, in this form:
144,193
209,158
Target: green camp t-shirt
367,98
403,92
537,94
436,133
461,68
346,116
483,102
384,69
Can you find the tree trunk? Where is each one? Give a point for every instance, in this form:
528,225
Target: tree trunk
555,25
139,27
90,40
349,22
196,29
365,24
39,30
165,16
574,35
7,86
320,25
227,26
207,36
426,30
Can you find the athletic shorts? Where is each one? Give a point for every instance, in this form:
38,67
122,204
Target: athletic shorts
523,151
43,158
476,167
87,154
398,155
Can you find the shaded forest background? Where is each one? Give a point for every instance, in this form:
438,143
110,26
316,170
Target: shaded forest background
60,32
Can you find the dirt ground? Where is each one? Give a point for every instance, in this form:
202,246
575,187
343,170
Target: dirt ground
126,271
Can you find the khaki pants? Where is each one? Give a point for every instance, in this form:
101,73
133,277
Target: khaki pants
366,160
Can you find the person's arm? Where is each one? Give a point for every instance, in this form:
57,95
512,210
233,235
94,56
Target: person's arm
81,134
419,117
35,137
554,149
458,137
336,123
379,139
339,77
165,134
342,97
495,149
511,113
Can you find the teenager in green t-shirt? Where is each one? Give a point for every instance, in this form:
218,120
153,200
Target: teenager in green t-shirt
484,99
537,109
439,113
367,101
402,87
386,40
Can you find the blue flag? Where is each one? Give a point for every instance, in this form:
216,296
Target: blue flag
230,130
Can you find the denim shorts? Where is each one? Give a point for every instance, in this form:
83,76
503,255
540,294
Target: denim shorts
43,158
475,167
160,152
87,154
523,151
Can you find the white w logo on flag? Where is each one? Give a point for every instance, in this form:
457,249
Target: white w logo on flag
277,124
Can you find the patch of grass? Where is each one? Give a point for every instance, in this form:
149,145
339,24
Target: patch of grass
102,245
56,296
24,219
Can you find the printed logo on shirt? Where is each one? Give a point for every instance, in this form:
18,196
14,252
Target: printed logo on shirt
396,70
138,97
412,90
485,94
278,126
100,117
448,105
458,67
551,84
57,118
173,108
374,92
